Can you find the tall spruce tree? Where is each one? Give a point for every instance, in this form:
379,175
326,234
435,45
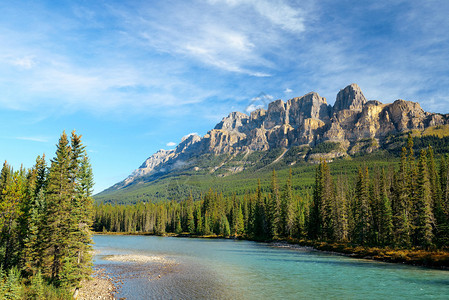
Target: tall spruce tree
12,198
199,221
423,212
274,207
363,214
314,224
340,213
260,218
33,218
59,195
288,208
68,209
81,209
321,225
400,204
385,212
190,217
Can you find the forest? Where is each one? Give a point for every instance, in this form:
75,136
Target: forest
45,220
403,208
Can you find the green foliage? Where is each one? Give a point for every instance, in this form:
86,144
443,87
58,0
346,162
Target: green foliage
45,220
325,147
10,286
373,205
37,287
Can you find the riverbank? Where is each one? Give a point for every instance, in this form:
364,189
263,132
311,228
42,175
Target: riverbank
99,286
426,258
432,259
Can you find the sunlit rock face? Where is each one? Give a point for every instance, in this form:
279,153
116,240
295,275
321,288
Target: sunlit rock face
306,120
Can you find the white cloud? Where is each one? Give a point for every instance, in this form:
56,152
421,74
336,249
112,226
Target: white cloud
26,62
171,144
263,97
192,133
260,101
234,36
167,55
252,107
188,135
32,139
278,12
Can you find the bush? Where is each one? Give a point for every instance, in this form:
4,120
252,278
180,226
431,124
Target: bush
10,286
325,147
37,287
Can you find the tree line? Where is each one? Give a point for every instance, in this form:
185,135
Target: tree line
403,208
45,220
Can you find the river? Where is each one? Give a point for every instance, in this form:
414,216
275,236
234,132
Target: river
150,267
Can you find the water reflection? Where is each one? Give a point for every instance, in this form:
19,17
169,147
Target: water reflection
182,268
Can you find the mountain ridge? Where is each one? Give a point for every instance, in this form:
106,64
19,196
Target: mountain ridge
353,124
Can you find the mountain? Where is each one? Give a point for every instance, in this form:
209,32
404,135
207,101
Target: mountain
303,129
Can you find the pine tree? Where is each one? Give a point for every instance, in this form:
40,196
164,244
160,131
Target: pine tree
33,217
12,198
260,217
443,227
81,208
385,213
239,225
199,221
274,207
435,187
424,216
412,186
190,218
327,203
321,225
288,208
301,217
59,195
363,212
400,206
178,229
440,229
207,230
225,229
314,225
69,211
340,213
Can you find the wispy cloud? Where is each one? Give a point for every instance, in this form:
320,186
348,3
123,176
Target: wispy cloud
26,62
129,57
279,13
171,144
32,139
260,101
188,135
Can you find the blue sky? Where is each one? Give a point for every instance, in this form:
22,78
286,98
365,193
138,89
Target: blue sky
136,76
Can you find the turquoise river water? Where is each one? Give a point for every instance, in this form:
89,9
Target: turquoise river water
151,267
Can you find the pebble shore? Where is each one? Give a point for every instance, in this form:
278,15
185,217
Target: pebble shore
100,286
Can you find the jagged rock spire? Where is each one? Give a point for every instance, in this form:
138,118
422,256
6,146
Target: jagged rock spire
351,97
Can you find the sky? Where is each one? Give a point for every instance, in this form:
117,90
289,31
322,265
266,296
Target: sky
134,77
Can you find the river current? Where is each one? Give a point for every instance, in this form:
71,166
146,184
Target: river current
150,267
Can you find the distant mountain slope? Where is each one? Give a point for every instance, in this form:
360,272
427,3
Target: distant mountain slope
303,129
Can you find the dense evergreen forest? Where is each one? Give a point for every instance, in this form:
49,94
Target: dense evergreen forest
45,220
404,208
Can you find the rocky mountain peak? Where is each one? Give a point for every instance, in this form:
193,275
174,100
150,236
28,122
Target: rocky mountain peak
351,97
301,121
187,141
308,106
233,121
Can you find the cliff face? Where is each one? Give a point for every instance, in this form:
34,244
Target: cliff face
306,120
